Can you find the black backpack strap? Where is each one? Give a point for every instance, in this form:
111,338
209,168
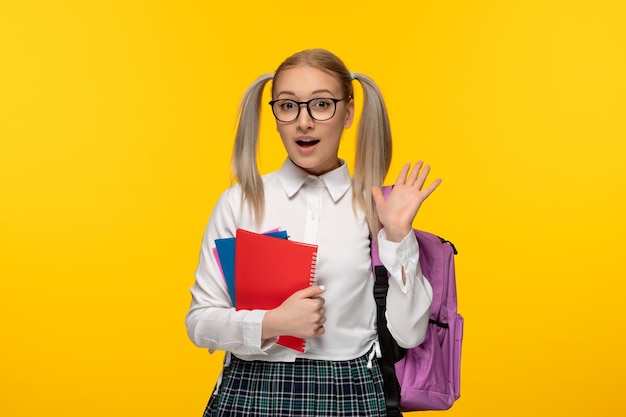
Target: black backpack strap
390,350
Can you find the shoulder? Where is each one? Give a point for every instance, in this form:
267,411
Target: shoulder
230,195
233,195
271,179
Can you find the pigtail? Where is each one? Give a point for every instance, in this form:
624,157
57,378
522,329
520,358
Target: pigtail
244,157
373,150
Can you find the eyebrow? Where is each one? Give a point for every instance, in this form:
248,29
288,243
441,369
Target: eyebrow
291,93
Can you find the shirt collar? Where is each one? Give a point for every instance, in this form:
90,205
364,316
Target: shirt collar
337,181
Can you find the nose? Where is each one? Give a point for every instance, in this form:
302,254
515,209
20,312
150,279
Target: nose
304,120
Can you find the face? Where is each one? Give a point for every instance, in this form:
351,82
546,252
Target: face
311,144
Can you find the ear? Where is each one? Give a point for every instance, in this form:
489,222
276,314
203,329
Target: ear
349,117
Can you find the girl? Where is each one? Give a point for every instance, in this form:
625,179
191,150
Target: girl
313,197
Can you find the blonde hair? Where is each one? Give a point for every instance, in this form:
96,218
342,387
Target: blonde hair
373,141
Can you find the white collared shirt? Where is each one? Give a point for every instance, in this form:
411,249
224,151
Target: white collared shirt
315,210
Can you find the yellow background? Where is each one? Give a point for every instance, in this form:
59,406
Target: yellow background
116,125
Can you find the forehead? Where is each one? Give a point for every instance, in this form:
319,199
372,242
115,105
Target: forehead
305,81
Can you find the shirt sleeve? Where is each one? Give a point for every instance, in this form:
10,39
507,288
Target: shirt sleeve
212,321
408,303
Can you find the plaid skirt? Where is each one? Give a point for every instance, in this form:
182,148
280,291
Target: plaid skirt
304,388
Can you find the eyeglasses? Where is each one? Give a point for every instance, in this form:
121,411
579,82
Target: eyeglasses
320,109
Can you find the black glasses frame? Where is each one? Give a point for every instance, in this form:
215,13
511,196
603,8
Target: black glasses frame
308,109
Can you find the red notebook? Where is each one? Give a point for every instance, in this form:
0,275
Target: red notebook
268,270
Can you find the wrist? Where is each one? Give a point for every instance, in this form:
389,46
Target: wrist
269,327
396,235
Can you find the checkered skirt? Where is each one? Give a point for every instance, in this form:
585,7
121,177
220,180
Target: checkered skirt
304,388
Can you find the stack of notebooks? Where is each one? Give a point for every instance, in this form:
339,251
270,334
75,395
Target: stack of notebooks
262,270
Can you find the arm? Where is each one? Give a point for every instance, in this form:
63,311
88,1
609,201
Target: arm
212,322
409,295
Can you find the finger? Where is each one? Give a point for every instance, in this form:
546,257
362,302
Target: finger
402,175
428,191
415,172
320,324
318,319
319,301
421,179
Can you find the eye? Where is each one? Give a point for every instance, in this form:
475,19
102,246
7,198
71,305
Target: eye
322,104
287,105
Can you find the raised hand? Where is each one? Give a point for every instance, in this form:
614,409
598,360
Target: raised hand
300,315
397,212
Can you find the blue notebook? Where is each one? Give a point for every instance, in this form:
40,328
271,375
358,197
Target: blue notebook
226,253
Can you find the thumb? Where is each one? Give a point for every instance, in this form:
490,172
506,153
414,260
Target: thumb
311,291
377,194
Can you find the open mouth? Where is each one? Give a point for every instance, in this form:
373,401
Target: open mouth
307,143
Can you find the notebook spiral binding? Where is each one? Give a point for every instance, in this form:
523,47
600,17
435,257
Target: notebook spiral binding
312,281
313,269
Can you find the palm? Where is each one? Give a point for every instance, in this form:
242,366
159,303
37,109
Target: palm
396,213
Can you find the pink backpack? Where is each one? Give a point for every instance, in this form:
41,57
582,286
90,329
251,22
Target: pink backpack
426,377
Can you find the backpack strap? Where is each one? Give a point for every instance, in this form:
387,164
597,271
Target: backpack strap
386,341
391,352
